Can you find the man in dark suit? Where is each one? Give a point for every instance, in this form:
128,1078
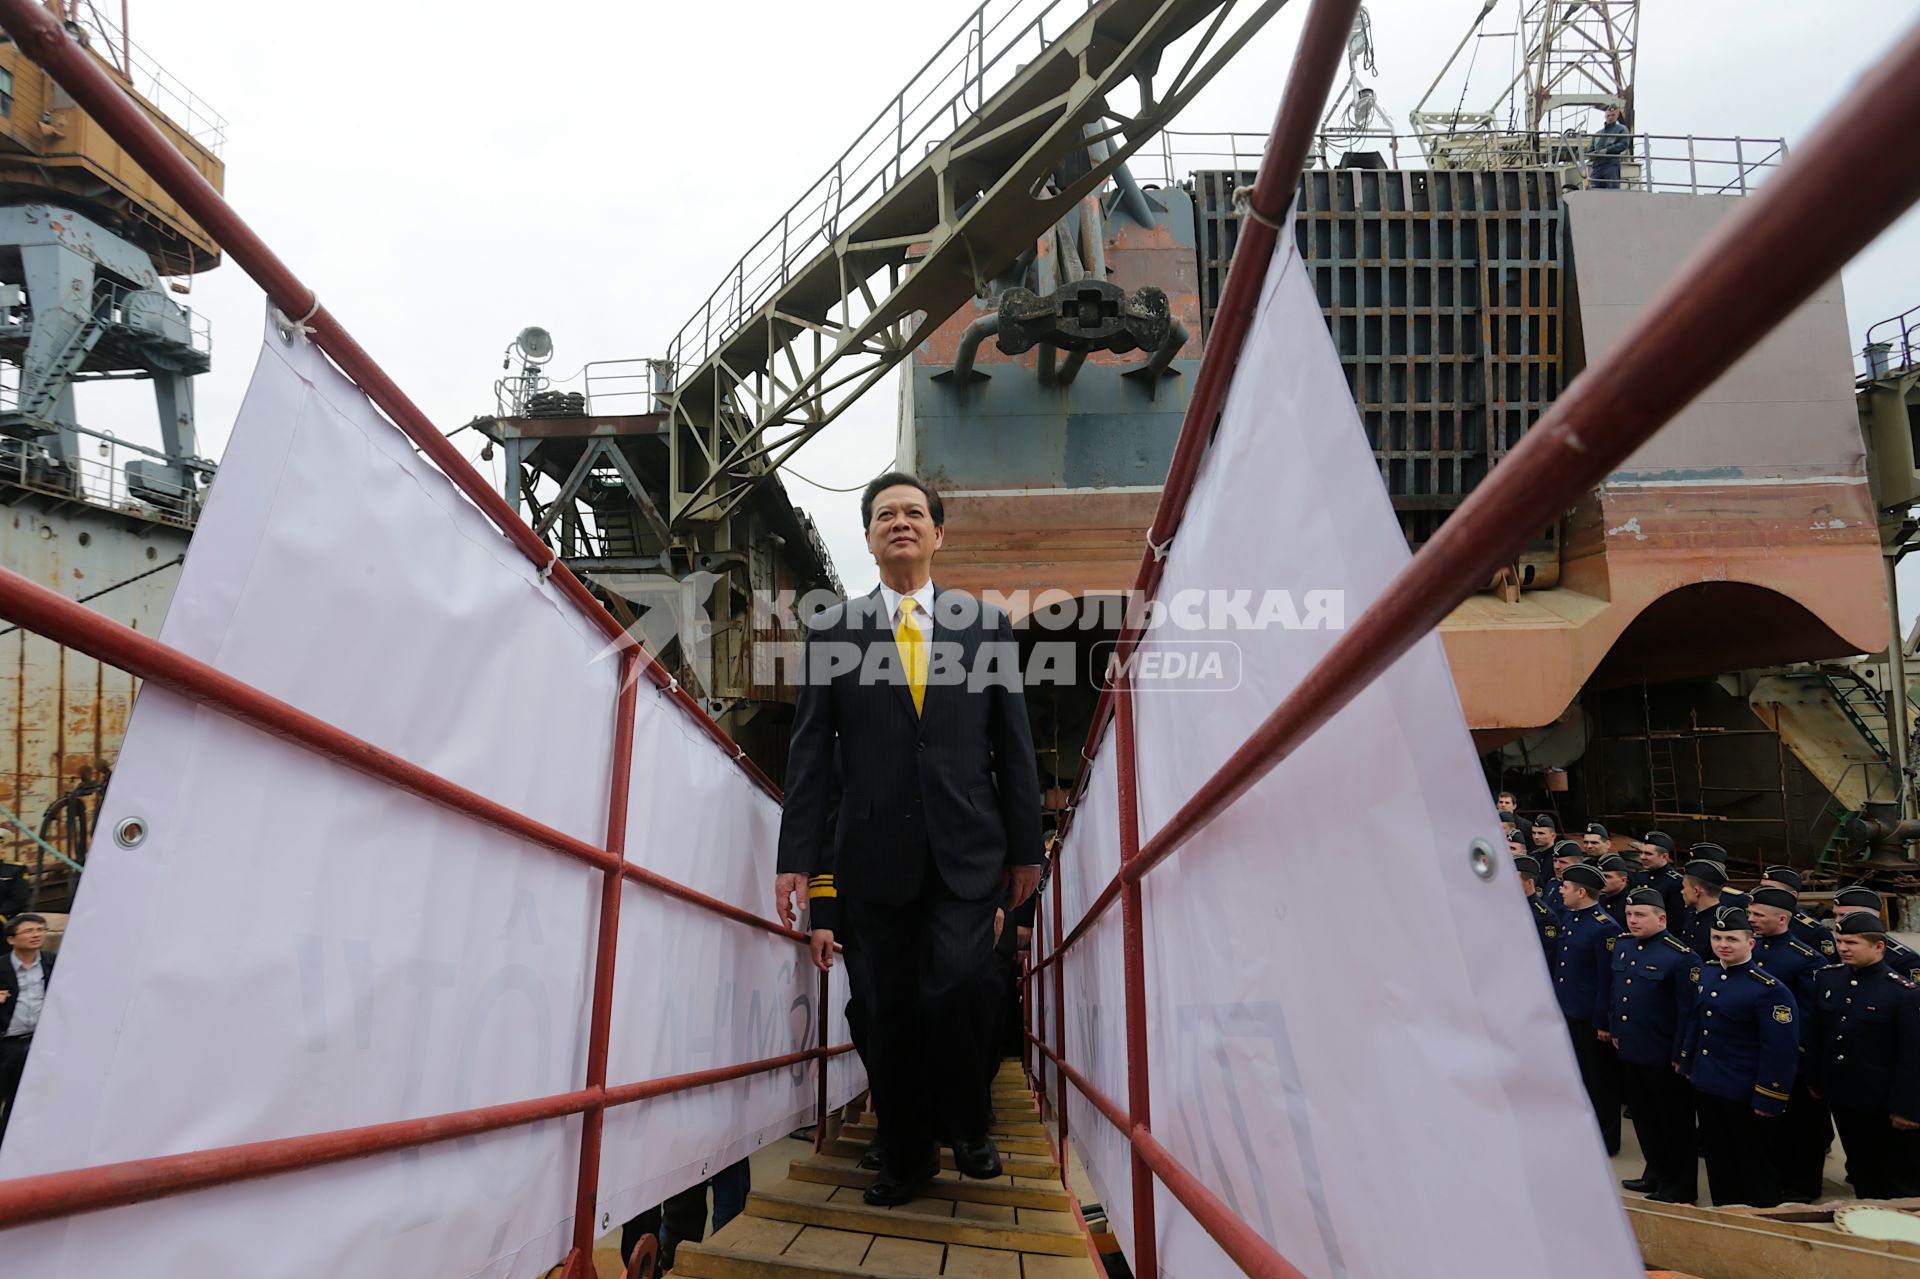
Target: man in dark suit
917,693
24,975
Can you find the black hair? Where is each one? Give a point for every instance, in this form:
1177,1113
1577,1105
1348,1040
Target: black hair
881,483
25,917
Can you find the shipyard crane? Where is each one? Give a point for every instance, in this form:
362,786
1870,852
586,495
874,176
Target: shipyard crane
1578,56
664,496
959,173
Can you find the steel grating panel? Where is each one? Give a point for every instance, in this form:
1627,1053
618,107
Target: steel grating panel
1443,292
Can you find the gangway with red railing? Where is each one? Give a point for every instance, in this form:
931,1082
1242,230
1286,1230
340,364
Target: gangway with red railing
1791,237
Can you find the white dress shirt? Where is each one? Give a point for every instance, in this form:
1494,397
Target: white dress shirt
33,993
922,598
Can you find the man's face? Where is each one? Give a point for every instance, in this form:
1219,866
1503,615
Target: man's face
1653,857
1613,116
1542,836
1768,921
1576,897
1857,950
1841,912
1694,893
1774,883
1592,844
1516,845
902,534
1614,881
30,937
1646,921
1505,804
1732,948
1563,861
1527,885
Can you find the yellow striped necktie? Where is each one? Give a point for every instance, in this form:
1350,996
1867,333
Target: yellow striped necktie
913,652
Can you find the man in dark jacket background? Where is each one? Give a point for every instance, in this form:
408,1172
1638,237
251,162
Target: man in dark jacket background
24,975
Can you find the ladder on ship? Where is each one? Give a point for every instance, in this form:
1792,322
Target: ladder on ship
1021,1225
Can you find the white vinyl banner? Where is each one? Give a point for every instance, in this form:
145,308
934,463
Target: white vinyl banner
1353,1041
294,947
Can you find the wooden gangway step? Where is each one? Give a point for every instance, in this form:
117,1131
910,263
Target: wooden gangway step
1020,1225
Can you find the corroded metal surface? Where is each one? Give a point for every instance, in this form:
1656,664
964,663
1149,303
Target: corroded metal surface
65,712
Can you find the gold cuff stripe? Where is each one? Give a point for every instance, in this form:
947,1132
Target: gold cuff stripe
816,894
1768,1092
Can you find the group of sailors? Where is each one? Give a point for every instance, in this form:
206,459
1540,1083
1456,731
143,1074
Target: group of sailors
1732,1026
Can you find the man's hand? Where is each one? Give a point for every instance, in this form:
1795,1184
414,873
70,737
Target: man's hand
1603,1036
785,889
999,924
1021,881
1903,1123
821,944
5,995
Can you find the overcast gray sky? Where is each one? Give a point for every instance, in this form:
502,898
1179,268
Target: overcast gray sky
447,173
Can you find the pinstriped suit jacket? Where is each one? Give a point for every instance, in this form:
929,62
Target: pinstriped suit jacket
952,791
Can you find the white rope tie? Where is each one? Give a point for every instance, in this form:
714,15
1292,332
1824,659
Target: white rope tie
1160,549
546,574
290,328
1243,205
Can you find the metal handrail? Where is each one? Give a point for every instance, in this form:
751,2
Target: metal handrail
1880,357
882,154
1681,163
181,105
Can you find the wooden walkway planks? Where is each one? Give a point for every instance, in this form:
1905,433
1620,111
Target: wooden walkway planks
814,1223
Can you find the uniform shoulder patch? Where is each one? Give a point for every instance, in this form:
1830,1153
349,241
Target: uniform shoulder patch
1803,948
1783,1014
1694,974
1763,978
1676,943
1552,931
1611,941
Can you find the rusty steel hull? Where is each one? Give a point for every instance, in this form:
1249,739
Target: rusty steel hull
63,714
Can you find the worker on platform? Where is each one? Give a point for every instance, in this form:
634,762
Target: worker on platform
1700,889
1653,977
1581,964
1546,920
1900,957
1606,150
1741,1049
920,692
1594,841
1657,872
1864,1050
24,975
1809,930
1809,1128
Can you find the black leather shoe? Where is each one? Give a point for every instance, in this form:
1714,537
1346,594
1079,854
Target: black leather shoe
1670,1197
1639,1185
870,1160
893,1186
978,1159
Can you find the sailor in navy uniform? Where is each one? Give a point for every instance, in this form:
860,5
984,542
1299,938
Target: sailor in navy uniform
1562,855
1594,841
1700,890
1616,875
1587,935
1546,922
1545,833
1804,926
1741,1049
1657,872
1809,1125
1900,957
1865,1049
1649,999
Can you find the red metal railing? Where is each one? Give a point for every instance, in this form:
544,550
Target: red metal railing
1822,208
22,1200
